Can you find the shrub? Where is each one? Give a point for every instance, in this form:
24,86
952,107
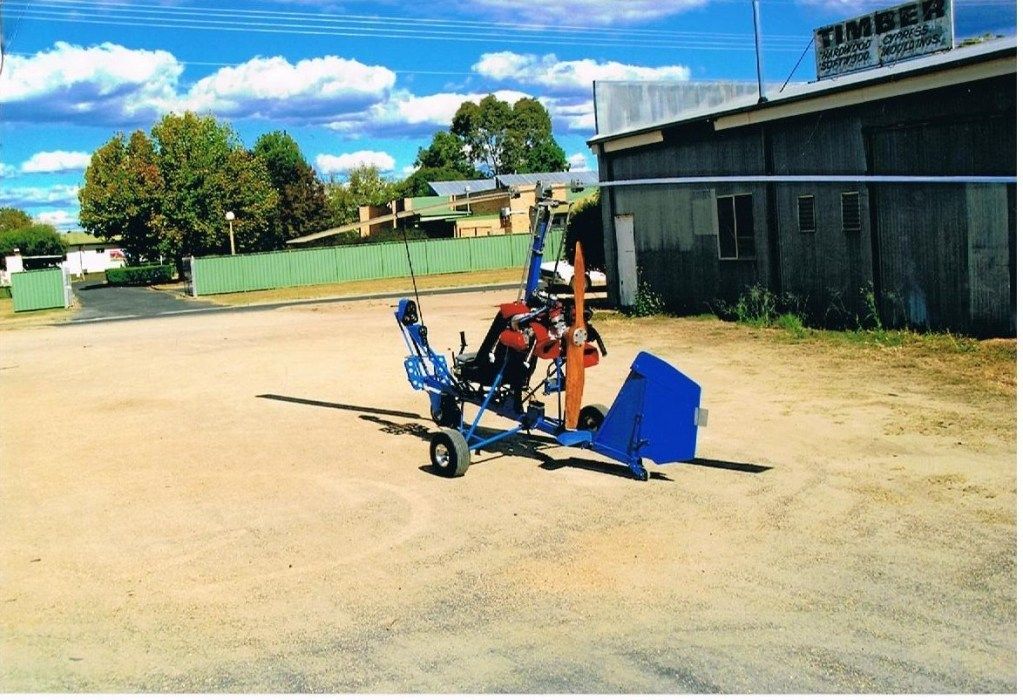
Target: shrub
140,276
648,302
757,306
34,239
793,324
586,226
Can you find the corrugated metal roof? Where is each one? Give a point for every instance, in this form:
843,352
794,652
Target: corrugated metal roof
456,187
585,177
419,202
76,238
801,91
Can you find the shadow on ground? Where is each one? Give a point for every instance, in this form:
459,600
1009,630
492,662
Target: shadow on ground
527,445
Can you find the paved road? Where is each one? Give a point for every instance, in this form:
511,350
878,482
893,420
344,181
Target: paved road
102,303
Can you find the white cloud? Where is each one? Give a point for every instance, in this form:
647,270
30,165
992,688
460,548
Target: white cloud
60,218
7,170
570,114
406,114
21,197
105,84
578,161
56,162
112,85
567,77
311,90
329,164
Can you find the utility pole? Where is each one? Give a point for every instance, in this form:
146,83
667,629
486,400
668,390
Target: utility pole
756,38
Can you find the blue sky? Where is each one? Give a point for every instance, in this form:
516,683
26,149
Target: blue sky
362,81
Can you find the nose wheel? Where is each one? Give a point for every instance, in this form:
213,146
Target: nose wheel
449,453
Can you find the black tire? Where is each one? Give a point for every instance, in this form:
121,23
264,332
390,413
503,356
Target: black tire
448,415
586,284
592,417
449,453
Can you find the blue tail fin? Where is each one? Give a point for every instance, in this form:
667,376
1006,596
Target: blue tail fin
655,415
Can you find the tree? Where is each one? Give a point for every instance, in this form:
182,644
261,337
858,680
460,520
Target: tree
166,196
33,239
445,152
506,139
444,159
365,187
483,129
11,218
302,204
206,174
531,147
418,183
122,194
586,226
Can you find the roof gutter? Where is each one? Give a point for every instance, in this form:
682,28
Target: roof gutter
974,67
870,93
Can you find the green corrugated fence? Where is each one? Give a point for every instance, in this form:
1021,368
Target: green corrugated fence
294,268
39,289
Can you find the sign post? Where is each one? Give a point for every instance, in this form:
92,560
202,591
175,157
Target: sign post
884,37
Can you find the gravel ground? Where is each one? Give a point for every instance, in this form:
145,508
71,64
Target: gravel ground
239,502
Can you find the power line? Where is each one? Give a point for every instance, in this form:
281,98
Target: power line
321,18
151,17
220,64
263,29
410,35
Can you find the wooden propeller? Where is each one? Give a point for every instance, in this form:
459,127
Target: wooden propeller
575,372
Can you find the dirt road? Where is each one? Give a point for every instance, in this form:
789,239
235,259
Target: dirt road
238,502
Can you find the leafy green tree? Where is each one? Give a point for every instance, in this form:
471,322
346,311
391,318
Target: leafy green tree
365,187
506,139
166,196
11,218
586,226
418,183
33,239
302,202
122,194
446,152
444,159
531,146
483,129
206,174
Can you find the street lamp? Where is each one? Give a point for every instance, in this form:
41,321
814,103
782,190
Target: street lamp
230,228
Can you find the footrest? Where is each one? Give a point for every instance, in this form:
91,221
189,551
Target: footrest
574,438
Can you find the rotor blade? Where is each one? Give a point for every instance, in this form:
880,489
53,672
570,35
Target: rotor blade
575,373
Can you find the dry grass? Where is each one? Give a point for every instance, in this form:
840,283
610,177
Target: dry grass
10,319
965,363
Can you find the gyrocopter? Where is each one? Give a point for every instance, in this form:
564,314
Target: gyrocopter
655,416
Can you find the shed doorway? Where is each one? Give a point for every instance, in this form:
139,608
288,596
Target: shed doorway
625,237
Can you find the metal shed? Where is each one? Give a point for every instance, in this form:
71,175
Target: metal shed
937,255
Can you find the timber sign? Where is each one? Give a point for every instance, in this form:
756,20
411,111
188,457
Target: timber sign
885,36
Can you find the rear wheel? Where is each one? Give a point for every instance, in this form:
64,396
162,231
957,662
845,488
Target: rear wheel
447,414
592,417
449,453
586,283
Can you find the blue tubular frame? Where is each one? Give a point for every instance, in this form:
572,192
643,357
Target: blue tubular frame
647,420
536,252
